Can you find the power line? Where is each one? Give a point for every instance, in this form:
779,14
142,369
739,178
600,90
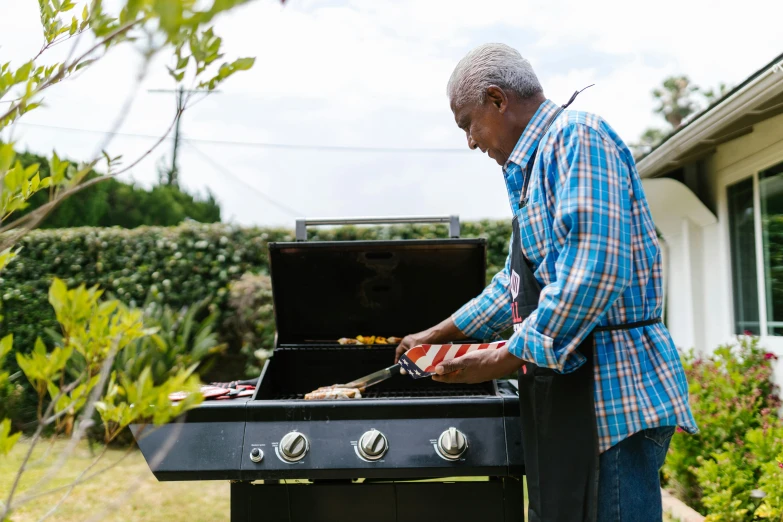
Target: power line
220,168
263,145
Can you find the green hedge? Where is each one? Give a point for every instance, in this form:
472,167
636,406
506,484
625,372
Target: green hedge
181,265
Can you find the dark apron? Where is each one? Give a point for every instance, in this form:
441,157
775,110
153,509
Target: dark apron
559,431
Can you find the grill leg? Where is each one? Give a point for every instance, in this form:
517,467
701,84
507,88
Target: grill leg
241,501
513,499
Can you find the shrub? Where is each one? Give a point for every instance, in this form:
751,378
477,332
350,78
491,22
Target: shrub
251,318
734,402
115,203
183,264
182,341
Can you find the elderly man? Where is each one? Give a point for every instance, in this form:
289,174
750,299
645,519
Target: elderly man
601,386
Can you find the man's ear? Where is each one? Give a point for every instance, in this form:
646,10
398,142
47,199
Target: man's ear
497,97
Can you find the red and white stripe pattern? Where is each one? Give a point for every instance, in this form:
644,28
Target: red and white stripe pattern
421,361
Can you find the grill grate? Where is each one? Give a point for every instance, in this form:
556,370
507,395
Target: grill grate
418,393
321,347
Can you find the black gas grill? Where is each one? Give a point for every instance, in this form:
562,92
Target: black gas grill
292,460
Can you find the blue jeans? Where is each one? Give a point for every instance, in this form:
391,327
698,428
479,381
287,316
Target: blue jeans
629,487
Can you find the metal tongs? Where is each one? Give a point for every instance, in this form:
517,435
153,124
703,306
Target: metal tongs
374,378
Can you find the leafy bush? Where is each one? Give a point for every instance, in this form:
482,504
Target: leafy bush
115,203
251,318
183,265
734,402
182,341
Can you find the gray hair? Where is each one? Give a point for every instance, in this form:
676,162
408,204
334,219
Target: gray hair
492,64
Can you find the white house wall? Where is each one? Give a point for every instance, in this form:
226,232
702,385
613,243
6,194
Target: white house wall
679,298
716,297
681,219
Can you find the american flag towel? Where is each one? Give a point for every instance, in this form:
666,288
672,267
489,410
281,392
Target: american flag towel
421,361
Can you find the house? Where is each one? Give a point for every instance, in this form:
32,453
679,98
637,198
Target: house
715,189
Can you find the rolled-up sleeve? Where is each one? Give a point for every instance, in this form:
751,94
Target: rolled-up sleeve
489,314
591,229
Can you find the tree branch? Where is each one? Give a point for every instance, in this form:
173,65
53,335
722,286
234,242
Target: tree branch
153,464
41,212
73,485
63,68
33,442
85,419
27,498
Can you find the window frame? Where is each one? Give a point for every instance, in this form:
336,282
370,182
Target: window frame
748,168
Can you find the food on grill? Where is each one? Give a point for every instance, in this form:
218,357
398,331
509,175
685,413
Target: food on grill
347,340
370,339
333,392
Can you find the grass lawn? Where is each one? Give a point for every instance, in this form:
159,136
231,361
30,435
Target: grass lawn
153,501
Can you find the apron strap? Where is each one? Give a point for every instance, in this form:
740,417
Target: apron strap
529,170
573,96
627,326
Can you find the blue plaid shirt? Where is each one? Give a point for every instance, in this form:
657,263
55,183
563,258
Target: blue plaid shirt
589,234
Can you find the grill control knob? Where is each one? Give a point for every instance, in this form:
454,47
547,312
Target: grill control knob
373,445
256,455
293,446
452,444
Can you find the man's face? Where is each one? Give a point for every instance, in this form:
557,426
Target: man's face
487,126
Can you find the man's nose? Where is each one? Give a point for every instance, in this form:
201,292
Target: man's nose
472,145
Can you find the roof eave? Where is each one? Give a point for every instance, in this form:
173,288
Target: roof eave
764,87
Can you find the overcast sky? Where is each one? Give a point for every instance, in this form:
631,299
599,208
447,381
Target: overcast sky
372,73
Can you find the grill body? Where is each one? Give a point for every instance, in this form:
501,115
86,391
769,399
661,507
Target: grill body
324,291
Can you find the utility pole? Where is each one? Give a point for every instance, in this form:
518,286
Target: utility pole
172,176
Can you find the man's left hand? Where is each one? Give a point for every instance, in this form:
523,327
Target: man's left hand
478,366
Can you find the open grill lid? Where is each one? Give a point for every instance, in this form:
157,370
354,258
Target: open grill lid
327,290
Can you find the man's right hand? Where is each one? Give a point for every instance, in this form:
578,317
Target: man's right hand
444,332
408,342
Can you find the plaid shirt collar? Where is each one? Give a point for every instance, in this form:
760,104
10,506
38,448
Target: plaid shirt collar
513,170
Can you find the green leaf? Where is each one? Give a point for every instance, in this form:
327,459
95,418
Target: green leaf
6,256
23,73
243,64
31,170
169,14
85,13
74,26
57,169
84,64
183,62
6,343
7,156
58,294
35,183
7,441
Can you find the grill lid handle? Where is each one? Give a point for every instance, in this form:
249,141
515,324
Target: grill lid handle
302,223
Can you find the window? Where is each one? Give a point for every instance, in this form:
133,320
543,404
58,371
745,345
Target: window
771,197
760,315
743,257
